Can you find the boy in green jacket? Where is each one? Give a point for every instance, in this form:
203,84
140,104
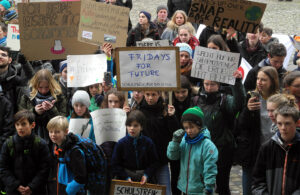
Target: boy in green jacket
197,153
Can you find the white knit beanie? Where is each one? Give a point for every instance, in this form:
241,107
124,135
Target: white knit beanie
81,96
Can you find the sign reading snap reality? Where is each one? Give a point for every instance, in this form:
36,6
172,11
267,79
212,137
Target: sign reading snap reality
215,65
119,187
242,15
48,30
152,68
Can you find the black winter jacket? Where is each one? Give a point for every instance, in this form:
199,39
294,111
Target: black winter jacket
174,5
255,57
6,119
25,168
136,34
277,168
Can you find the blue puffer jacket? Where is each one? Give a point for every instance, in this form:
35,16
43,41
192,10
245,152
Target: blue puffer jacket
198,164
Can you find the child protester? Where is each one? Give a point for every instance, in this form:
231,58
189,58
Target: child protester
95,91
135,157
80,104
197,153
24,162
75,157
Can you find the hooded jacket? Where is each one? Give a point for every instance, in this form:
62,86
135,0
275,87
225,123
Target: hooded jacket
277,168
198,167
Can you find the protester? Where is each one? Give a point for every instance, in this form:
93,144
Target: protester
174,5
291,84
137,97
197,154
135,157
266,38
254,124
162,18
185,36
24,162
276,171
144,29
3,34
45,100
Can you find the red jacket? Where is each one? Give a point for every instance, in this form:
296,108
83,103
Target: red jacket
193,42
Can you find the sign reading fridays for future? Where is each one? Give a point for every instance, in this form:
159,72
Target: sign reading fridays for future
242,15
48,30
215,65
100,22
153,68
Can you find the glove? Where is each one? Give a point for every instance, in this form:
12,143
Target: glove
208,191
22,59
177,135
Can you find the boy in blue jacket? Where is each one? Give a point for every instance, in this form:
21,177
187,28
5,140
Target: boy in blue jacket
197,154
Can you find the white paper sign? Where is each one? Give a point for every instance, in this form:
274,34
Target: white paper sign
215,65
80,126
84,70
154,43
109,124
13,37
147,69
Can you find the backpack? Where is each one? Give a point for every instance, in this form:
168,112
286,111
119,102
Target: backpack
10,145
95,161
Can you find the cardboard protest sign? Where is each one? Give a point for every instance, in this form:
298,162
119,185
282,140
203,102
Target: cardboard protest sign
215,65
80,126
120,187
154,43
242,15
84,70
13,37
152,68
48,30
109,124
100,22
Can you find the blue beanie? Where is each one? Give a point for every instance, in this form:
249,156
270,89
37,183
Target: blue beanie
147,14
185,47
5,4
63,65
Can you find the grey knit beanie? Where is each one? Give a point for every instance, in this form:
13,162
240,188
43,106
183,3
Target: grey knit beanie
81,96
162,7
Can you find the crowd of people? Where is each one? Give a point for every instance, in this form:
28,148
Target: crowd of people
188,144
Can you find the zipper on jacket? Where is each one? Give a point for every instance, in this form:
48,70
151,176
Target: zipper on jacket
284,170
188,168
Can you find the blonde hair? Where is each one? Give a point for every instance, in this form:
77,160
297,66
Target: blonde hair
187,27
283,99
44,75
172,23
60,123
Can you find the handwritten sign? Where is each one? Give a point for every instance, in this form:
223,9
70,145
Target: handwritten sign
84,70
214,65
242,15
119,187
109,124
100,22
13,37
154,43
48,30
80,126
152,68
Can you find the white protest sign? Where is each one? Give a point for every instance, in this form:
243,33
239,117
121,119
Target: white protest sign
13,37
154,43
154,68
84,70
80,126
109,124
215,65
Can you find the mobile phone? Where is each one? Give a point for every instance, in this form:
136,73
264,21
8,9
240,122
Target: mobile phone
255,94
107,77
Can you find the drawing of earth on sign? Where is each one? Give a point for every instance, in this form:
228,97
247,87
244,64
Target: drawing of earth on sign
57,48
253,13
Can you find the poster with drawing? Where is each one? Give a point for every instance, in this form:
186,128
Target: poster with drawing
85,70
109,124
48,30
100,22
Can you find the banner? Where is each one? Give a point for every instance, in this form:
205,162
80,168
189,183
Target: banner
151,68
245,67
154,43
13,37
120,187
48,30
242,15
85,70
80,126
215,65
109,124
100,22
